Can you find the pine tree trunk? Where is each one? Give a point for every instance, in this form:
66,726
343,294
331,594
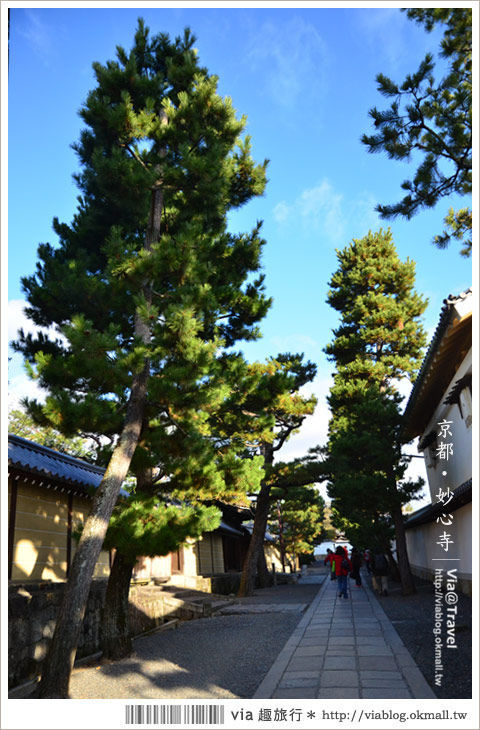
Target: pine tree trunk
408,585
116,642
393,565
280,535
247,583
61,654
115,630
263,576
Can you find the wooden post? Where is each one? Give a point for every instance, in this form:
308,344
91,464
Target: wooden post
12,517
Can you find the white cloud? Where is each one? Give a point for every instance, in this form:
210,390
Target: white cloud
323,208
376,26
38,34
17,319
19,384
281,212
315,427
292,59
294,343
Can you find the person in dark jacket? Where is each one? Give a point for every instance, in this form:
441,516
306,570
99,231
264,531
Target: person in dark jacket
380,572
356,565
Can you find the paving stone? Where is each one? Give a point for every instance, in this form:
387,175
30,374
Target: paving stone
382,694
394,676
348,650
340,640
300,675
341,651
383,683
368,631
322,623
338,693
314,641
315,634
310,651
374,650
334,678
377,662
339,662
293,683
304,663
296,693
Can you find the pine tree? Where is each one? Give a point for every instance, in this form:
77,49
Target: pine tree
434,120
145,287
22,424
378,342
143,525
296,518
276,395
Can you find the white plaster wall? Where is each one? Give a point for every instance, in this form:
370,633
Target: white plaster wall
423,548
459,464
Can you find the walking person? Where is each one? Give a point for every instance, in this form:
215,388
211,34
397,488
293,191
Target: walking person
343,568
367,560
380,572
330,560
356,559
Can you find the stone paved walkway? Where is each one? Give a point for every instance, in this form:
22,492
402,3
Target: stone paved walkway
344,649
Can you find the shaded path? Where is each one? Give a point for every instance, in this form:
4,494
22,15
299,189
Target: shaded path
344,649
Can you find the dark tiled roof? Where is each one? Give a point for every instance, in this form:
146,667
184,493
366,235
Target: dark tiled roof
28,456
444,321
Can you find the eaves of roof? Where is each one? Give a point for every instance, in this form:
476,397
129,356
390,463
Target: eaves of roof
268,536
451,341
230,530
31,458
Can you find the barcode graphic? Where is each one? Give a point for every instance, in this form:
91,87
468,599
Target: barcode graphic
172,714
203,714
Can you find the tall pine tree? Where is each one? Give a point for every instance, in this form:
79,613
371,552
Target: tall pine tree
276,396
379,341
145,287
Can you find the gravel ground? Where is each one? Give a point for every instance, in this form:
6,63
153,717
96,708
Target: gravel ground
219,657
224,657
413,619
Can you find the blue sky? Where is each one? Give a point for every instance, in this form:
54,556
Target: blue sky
305,78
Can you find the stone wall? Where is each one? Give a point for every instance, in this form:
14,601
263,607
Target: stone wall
32,611
33,607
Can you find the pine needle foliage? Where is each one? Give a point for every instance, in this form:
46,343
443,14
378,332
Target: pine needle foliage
148,291
154,121
379,341
431,120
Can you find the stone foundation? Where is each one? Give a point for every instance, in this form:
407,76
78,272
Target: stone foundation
32,611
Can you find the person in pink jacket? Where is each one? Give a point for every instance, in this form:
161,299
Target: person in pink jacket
343,568
330,559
